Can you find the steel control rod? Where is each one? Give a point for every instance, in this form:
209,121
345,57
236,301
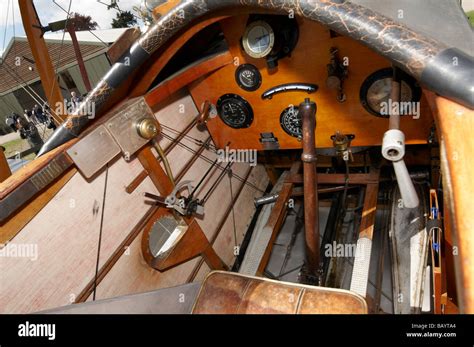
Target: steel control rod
393,147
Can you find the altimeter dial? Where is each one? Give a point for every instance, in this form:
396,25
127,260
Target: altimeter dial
235,111
290,121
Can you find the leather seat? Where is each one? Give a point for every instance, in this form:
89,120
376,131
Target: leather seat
233,293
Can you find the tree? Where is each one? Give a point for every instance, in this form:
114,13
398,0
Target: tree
83,22
470,16
124,19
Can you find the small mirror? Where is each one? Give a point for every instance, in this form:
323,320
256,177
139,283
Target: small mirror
165,234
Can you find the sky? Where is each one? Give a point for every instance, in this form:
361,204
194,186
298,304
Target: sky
49,12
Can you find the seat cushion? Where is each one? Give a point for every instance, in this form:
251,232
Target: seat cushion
233,293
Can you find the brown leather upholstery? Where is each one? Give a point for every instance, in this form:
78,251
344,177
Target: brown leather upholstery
232,293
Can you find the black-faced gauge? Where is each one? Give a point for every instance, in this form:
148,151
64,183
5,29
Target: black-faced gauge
290,121
258,39
235,111
375,91
248,77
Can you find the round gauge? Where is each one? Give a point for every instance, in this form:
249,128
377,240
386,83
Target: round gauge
290,121
235,111
375,91
248,77
258,39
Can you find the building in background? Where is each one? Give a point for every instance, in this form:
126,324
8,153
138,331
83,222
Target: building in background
20,82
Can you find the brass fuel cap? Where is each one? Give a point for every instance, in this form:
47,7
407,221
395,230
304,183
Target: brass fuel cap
148,128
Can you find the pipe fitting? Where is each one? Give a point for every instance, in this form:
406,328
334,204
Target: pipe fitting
308,158
393,145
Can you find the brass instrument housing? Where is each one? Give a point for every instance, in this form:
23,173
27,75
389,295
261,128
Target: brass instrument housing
148,128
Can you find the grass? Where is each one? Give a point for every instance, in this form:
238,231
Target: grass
12,147
18,145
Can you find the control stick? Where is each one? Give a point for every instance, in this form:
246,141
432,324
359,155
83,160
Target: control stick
393,148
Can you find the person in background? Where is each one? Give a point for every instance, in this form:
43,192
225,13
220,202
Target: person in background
29,116
51,124
29,131
75,100
50,120
11,122
39,114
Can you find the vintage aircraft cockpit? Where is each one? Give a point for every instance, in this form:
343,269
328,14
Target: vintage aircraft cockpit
259,157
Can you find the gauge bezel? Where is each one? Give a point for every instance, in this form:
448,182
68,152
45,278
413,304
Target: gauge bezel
255,70
285,129
238,100
383,74
246,44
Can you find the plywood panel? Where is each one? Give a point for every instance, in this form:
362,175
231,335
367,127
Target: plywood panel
23,216
244,210
306,64
132,275
65,234
66,230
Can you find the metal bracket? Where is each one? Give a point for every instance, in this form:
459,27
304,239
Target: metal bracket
123,126
94,151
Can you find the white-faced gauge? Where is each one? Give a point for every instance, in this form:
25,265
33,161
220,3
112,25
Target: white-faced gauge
258,39
248,77
375,91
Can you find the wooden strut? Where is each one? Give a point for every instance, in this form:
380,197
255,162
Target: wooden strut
155,171
169,87
144,174
194,242
455,124
39,49
277,217
77,50
355,179
5,171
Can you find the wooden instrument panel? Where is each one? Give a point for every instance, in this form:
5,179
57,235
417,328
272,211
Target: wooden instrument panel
307,64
